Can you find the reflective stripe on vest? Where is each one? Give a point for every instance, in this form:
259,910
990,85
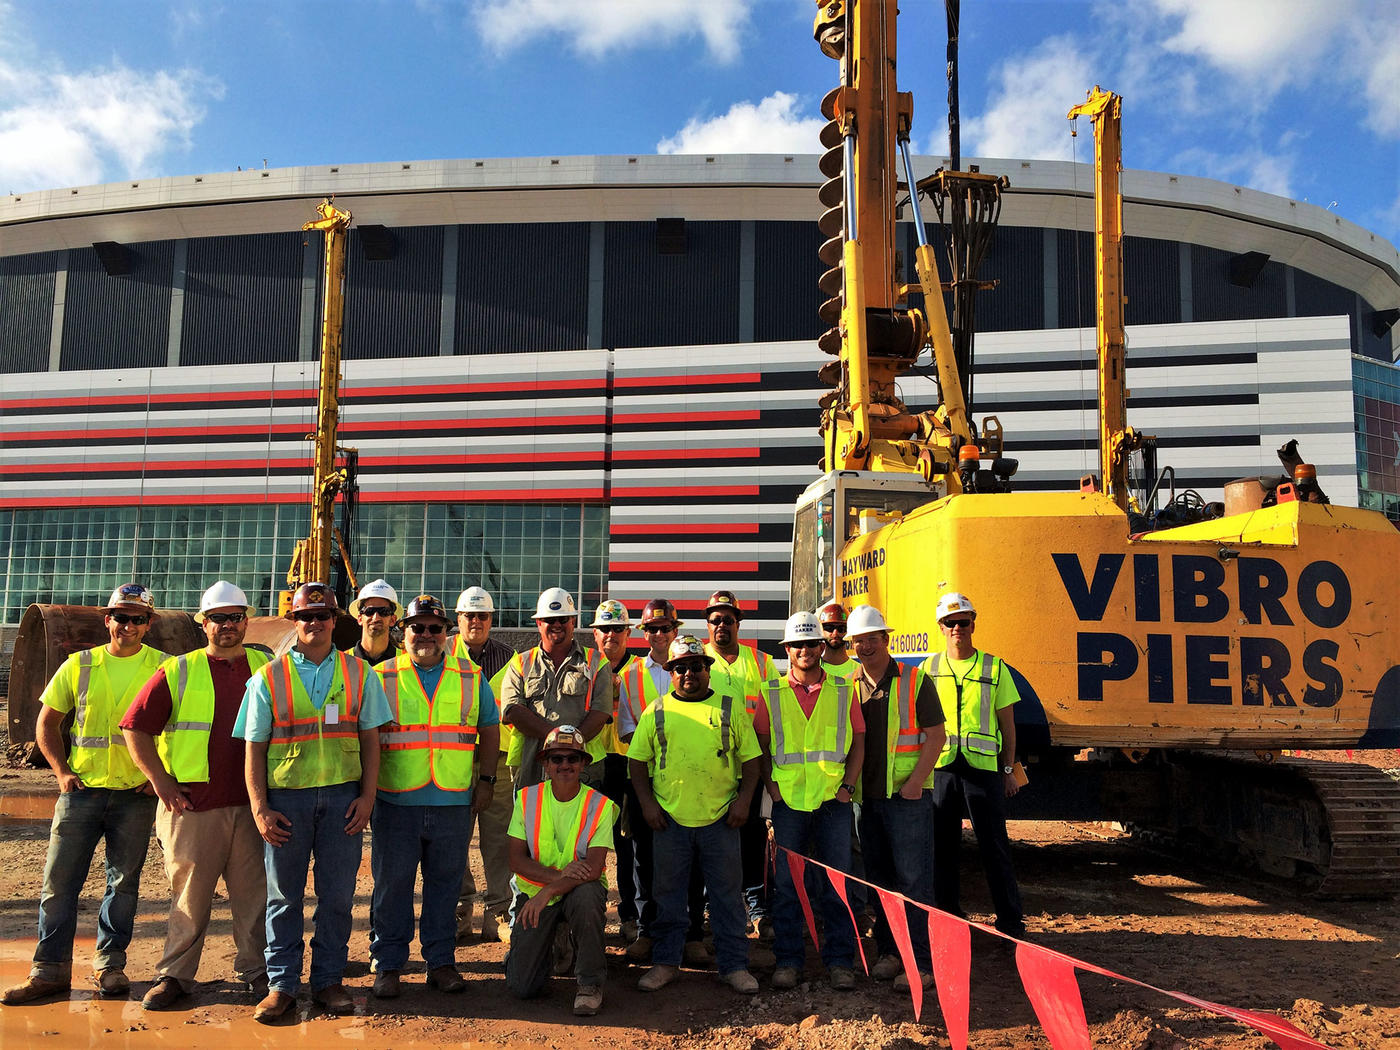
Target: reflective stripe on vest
543,846
781,755
86,659
808,779
436,741
305,751
985,741
726,706
98,752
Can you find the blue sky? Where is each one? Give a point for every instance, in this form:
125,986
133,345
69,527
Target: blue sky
1297,97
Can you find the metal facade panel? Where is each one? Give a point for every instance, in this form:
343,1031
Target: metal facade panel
786,270
522,286
242,297
1151,281
686,299
26,310
1075,250
1214,298
393,307
1015,258
118,322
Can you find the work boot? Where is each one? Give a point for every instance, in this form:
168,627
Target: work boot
785,978
112,983
466,918
386,985
841,978
901,983
446,979
335,1000
639,951
164,994
33,989
629,930
274,1007
886,967
761,958
697,955
741,981
588,1000
658,977
257,987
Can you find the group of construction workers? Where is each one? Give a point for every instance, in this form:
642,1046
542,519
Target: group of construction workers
265,771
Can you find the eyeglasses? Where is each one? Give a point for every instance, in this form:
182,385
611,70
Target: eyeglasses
659,628
828,627
801,645
722,621
954,625
318,617
565,760
476,616
369,612
554,619
425,628
619,629
690,667
223,618
126,618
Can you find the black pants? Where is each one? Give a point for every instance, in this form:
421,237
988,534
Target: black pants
617,785
958,791
753,854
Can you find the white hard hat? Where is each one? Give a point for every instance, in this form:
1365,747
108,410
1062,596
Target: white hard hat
555,602
802,627
475,599
611,614
221,594
865,619
377,589
954,602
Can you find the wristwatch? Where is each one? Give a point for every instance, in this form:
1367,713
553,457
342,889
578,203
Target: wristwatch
850,789
492,780
1007,770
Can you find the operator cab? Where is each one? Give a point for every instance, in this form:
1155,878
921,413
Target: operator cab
836,508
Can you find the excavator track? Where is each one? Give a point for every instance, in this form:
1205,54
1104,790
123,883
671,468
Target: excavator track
1331,828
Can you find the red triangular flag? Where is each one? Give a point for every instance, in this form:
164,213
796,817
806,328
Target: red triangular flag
798,867
838,883
1271,1026
950,943
893,904
1050,984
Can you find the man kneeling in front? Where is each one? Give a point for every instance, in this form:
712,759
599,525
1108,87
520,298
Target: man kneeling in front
558,841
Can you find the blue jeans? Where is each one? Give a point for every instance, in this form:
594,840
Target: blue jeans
715,847
896,840
318,829
80,820
405,838
823,835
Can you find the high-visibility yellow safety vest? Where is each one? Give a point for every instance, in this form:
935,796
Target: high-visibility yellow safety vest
974,719
636,690
306,749
746,675
539,829
809,754
903,737
429,739
726,717
98,753
184,745
462,653
525,664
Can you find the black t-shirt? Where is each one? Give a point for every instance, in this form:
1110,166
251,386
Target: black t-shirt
875,708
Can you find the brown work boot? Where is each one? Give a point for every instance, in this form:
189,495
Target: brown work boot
588,1000
386,985
658,977
33,989
274,1007
334,999
164,994
639,951
446,979
112,983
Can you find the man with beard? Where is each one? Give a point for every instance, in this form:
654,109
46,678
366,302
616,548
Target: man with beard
377,609
836,654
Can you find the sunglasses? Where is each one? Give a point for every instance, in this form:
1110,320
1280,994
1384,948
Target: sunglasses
126,618
722,621
834,627
612,630
317,617
953,625
659,628
223,618
802,645
565,760
369,612
691,667
554,619
477,616
425,628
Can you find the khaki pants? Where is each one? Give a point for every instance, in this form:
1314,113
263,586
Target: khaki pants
199,849
491,829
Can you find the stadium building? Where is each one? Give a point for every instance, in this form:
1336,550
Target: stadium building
600,372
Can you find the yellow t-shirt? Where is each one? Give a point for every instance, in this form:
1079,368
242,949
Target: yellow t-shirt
697,783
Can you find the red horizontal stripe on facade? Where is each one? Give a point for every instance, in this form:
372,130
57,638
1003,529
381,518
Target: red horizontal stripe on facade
259,465
650,528
659,491
748,378
96,403
665,454
37,436
244,498
683,417
682,568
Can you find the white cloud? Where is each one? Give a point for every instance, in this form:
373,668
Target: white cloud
596,27
1026,109
771,126
1374,47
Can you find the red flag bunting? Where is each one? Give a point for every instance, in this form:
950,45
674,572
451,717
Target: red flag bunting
838,883
950,943
1049,980
799,882
893,903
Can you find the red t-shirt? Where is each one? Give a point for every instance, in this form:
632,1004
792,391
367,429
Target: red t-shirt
807,700
150,711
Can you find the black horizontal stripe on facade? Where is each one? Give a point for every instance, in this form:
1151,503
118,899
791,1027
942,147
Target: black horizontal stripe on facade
1073,364
767,570
1015,446
677,532
539,471
1079,404
767,493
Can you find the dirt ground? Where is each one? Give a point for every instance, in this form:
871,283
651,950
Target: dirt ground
1331,968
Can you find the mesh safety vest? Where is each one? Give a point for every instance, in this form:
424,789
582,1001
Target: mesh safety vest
429,739
184,745
974,719
636,691
98,753
526,663
745,675
307,750
809,754
537,805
